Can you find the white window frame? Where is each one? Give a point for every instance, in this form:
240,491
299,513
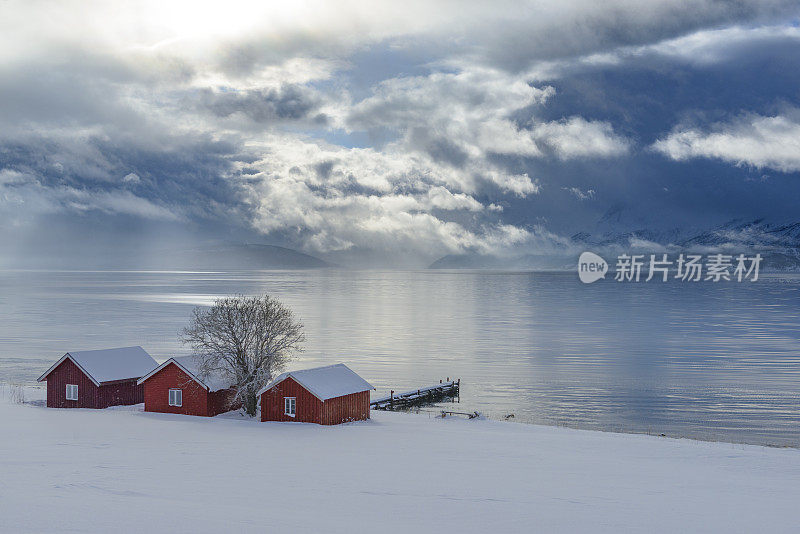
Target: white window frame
176,397
290,406
74,389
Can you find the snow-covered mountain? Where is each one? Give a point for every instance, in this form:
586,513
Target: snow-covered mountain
777,242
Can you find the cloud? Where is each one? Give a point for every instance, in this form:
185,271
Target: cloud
707,47
286,103
701,48
330,198
576,137
463,119
23,197
387,223
579,193
243,37
754,140
469,111
113,202
519,184
74,171
468,115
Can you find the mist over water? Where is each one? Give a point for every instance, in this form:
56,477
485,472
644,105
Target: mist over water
711,361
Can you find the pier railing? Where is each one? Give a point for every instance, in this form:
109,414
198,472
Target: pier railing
416,397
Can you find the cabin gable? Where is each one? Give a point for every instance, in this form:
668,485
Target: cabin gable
194,397
308,408
67,373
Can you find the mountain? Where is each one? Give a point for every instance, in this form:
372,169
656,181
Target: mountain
777,242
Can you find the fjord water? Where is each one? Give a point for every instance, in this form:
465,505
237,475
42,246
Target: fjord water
707,360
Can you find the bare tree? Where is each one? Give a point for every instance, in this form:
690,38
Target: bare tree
248,339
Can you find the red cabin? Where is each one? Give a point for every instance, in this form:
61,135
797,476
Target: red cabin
179,386
324,395
97,378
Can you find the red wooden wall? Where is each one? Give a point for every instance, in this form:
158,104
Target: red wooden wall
69,373
310,409
197,400
353,407
156,392
121,392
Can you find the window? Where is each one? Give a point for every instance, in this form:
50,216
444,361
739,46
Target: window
289,404
175,397
72,392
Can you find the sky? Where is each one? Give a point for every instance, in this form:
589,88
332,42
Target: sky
392,133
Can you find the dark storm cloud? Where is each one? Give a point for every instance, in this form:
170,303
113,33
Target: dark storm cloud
732,108
511,35
188,179
288,102
649,92
578,28
438,146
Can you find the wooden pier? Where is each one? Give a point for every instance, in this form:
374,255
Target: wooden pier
416,397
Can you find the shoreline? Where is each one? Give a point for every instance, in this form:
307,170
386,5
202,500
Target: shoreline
623,432
435,411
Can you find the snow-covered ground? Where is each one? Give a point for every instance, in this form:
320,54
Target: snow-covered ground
123,470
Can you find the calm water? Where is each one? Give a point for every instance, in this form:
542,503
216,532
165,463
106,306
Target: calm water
710,361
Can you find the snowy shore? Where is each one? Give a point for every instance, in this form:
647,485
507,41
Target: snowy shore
123,470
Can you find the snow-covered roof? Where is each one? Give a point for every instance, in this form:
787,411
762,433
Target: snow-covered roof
213,381
325,382
107,365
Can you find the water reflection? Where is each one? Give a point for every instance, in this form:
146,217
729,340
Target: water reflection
715,361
